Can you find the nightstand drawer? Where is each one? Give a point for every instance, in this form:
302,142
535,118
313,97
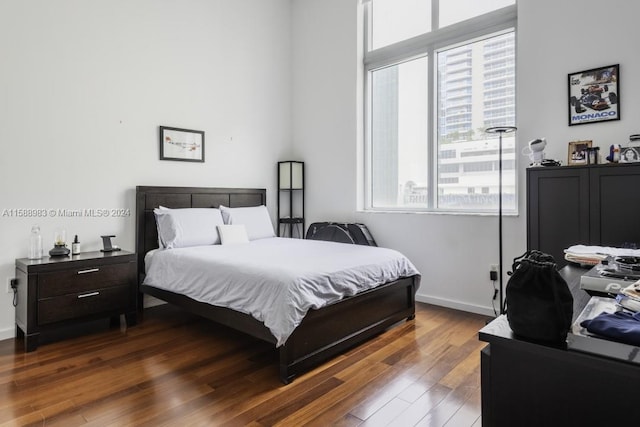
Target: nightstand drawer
78,280
82,304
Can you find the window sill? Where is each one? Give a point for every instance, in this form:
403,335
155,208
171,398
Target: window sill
438,213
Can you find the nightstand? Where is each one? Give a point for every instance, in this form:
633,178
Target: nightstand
58,291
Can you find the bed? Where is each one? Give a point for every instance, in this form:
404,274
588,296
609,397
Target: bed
323,332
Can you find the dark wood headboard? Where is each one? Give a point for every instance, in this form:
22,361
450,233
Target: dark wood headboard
149,198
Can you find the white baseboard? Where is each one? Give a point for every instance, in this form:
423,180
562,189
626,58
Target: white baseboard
457,305
8,333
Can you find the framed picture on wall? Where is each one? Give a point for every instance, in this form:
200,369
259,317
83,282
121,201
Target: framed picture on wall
578,152
184,145
594,95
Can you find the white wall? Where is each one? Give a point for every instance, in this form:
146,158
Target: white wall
84,86
553,41
453,252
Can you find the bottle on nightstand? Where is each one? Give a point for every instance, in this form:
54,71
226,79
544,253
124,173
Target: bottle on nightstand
75,246
35,243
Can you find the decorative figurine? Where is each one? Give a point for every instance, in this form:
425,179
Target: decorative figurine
614,153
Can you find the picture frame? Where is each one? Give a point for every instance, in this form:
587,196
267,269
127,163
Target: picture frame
184,145
577,153
630,155
594,95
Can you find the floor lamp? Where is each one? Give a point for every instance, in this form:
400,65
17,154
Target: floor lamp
500,130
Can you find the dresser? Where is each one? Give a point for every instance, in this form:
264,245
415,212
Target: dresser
53,292
589,205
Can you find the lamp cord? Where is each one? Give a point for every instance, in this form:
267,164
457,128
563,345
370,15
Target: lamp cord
493,298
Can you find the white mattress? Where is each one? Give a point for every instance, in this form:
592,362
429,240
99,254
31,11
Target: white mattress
275,280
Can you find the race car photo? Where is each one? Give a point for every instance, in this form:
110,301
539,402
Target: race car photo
593,96
594,89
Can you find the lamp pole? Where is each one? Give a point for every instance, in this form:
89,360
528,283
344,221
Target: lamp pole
500,130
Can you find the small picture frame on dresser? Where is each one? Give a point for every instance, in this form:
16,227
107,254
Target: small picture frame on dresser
577,153
630,155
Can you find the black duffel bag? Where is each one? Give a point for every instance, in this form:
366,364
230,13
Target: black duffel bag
341,232
539,303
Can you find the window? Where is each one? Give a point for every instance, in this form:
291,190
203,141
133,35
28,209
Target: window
430,95
398,153
452,11
414,15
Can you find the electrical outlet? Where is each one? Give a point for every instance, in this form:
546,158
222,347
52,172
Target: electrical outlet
9,289
493,272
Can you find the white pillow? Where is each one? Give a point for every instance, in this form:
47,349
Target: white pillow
233,234
181,228
256,220
160,244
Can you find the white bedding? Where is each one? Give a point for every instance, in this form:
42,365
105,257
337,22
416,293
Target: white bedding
275,280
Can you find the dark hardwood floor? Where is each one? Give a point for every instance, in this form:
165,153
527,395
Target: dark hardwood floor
177,369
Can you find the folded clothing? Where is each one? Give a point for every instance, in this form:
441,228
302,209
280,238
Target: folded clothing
584,259
620,326
601,250
593,255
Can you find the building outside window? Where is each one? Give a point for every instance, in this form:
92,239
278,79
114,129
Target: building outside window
439,72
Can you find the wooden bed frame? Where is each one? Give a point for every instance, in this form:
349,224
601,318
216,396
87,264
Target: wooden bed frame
322,334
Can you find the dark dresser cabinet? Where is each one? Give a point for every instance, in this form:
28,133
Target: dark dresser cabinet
589,205
54,292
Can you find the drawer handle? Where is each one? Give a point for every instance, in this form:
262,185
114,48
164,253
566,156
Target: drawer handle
90,294
91,270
